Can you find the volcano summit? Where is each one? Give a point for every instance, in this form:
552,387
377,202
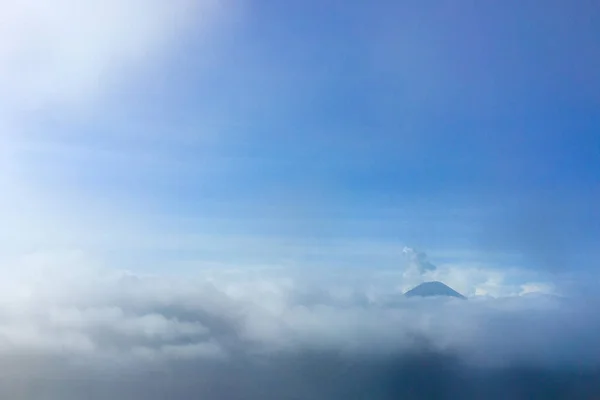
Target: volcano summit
433,289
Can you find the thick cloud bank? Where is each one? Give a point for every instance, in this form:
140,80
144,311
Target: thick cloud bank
72,333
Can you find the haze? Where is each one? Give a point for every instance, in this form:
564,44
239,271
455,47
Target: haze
226,199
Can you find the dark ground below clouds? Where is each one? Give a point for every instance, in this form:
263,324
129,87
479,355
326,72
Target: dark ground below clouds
304,375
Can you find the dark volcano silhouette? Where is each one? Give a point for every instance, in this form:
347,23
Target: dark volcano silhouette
433,289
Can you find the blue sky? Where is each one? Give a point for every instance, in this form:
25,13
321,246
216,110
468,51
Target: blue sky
192,185
313,133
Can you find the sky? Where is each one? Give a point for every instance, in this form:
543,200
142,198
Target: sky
194,168
289,130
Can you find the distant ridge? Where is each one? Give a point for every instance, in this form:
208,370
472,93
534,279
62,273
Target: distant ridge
431,289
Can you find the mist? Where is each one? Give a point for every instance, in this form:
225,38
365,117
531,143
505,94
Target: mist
99,333
206,199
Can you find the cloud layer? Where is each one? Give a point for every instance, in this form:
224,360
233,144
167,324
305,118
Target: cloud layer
68,328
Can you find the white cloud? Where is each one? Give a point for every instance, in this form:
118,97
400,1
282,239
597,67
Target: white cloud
68,312
120,311
537,287
418,261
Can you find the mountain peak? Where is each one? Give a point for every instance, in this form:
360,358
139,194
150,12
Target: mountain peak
434,288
